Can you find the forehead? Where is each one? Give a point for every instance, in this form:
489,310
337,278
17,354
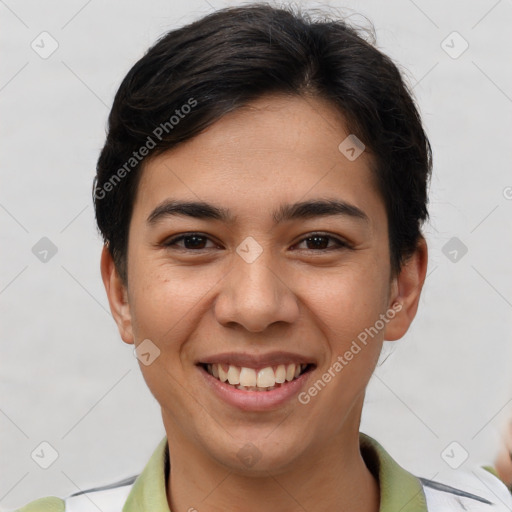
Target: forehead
276,149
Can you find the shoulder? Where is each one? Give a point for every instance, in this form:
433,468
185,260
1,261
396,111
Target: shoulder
475,490
107,498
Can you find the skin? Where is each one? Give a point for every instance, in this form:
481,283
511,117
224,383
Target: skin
294,297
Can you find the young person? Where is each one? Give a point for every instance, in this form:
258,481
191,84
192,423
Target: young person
261,193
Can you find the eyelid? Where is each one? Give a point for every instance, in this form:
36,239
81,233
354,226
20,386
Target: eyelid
340,243
173,240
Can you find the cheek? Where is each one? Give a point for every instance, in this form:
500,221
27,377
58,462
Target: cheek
346,302
165,299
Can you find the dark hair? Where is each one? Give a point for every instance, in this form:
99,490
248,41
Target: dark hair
194,75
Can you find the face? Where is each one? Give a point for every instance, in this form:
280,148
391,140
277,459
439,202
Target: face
250,288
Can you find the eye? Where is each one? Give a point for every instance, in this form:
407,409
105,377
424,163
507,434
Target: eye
320,242
191,241
315,241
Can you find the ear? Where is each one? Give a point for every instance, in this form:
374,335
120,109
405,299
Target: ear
405,292
117,296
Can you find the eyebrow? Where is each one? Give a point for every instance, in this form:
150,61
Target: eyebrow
286,212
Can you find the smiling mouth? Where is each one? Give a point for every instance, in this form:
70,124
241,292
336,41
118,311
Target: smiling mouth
251,379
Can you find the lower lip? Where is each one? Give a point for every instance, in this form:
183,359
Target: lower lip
255,400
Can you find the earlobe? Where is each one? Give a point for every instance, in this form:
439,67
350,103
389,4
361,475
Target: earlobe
117,296
406,291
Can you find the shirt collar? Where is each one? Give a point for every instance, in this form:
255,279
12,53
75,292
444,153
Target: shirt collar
400,491
149,489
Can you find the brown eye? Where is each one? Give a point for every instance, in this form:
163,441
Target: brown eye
191,242
320,242
317,242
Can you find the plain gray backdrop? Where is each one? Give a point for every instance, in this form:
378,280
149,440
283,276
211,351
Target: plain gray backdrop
67,379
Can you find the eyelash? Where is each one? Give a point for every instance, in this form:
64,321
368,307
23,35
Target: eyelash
340,244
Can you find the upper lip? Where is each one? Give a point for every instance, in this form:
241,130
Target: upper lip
244,359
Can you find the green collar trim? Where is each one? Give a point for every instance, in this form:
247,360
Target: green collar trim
149,490
400,491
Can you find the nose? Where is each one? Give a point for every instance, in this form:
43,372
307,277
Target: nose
256,295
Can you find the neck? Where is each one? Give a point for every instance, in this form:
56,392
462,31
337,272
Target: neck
332,477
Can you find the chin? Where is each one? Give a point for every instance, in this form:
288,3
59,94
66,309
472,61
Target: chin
259,456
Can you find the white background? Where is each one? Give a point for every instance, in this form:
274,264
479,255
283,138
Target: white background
68,379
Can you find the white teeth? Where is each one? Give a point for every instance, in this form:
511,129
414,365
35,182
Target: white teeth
266,378
247,377
223,375
290,372
280,374
234,375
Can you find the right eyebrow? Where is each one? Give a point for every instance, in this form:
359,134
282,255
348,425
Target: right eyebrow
195,209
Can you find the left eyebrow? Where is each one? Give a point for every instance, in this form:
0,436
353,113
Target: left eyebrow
286,212
318,208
